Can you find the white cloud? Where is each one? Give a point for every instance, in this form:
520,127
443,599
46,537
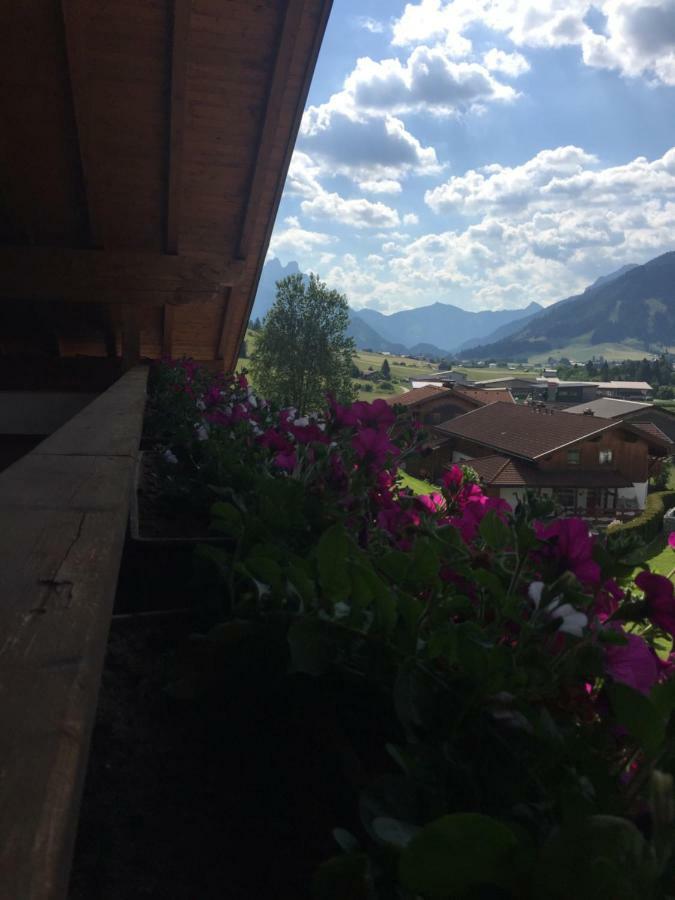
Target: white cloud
382,186
511,64
359,213
411,219
637,38
338,140
294,240
428,81
374,26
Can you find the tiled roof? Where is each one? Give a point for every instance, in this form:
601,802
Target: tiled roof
609,407
501,471
652,430
523,431
486,395
416,395
625,385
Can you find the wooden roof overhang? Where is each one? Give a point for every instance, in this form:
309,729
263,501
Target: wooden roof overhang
144,146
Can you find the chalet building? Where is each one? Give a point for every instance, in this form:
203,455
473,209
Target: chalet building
634,411
431,404
564,393
442,379
590,465
625,390
520,386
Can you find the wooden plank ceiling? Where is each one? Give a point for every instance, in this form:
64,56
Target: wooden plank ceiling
143,149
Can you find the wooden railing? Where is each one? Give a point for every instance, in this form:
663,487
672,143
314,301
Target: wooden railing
63,515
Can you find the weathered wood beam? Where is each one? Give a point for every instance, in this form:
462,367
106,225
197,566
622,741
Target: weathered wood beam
180,32
277,86
76,15
167,331
98,276
131,338
63,517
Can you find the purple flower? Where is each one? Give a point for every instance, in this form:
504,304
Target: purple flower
671,539
658,591
571,542
633,664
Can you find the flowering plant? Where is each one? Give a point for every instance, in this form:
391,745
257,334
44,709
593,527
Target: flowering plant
530,680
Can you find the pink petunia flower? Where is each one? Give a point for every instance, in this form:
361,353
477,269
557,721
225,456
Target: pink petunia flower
633,663
671,539
658,591
573,545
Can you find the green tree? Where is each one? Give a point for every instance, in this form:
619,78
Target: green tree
256,324
303,351
386,372
243,350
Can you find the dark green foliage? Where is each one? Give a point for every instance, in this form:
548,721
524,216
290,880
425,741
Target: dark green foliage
303,352
386,371
243,350
646,526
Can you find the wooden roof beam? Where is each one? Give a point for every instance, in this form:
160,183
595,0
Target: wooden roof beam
180,32
278,82
76,15
48,273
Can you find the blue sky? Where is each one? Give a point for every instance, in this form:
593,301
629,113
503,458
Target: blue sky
486,153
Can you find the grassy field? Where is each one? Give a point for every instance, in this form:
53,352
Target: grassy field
583,350
483,374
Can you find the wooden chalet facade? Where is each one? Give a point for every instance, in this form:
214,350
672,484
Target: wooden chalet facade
592,466
144,146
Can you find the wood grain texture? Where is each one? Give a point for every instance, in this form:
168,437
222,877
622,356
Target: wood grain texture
180,30
63,513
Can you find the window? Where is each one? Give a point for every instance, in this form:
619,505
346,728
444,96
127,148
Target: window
564,497
573,457
605,457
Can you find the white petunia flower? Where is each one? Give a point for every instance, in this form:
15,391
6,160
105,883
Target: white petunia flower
302,422
170,457
572,621
202,433
201,406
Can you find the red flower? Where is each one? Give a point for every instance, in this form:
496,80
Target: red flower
658,591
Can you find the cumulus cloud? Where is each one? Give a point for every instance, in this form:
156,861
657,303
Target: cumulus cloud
293,239
374,150
381,186
359,212
428,81
511,64
411,219
637,37
369,24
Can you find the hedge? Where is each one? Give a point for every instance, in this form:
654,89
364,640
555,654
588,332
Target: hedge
648,524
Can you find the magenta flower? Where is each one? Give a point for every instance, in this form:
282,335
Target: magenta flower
658,591
607,599
377,414
671,539
633,664
372,445
453,478
286,459
431,502
571,543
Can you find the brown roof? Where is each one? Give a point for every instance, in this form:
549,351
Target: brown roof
417,395
524,431
486,395
651,430
502,471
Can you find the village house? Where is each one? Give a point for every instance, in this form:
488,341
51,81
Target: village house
638,413
432,404
591,466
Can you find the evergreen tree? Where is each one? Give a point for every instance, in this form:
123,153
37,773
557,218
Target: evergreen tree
386,372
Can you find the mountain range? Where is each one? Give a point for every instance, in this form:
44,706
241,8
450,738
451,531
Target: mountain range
440,329
634,306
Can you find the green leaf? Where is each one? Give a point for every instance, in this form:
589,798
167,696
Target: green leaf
227,519
444,642
221,559
638,715
312,650
494,532
425,562
332,558
413,699
457,852
663,697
